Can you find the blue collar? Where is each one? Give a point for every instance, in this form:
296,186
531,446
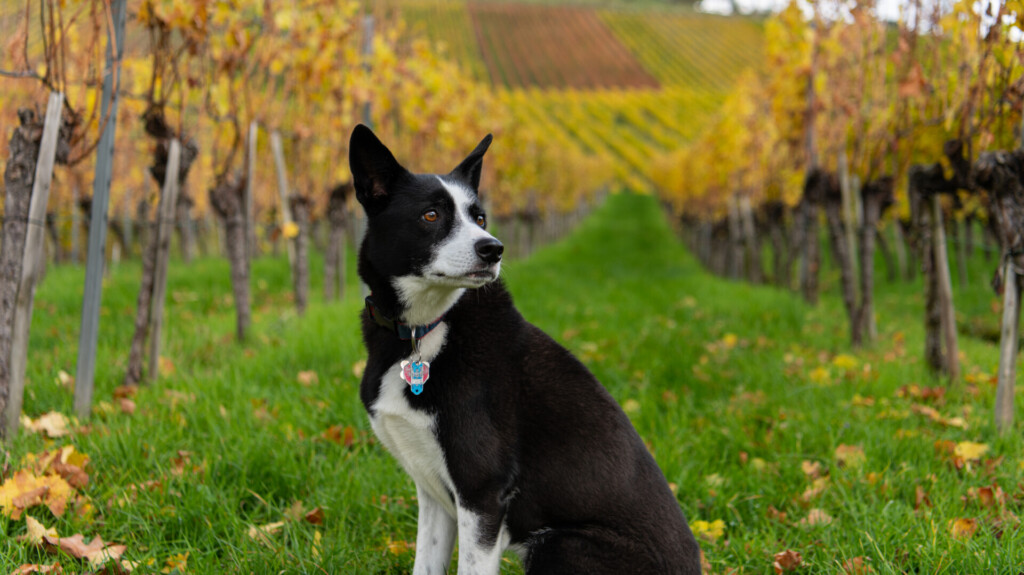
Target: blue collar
403,330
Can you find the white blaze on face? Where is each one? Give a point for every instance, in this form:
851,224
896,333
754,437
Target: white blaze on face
457,256
429,295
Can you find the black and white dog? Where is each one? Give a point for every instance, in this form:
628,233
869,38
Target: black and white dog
511,441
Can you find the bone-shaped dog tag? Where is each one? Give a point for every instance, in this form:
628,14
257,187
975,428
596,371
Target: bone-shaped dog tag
416,373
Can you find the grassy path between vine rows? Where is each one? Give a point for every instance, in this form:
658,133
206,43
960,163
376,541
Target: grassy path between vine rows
774,434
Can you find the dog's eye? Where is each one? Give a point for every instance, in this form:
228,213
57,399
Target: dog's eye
430,216
481,221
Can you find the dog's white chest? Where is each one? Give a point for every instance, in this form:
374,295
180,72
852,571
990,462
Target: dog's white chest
410,434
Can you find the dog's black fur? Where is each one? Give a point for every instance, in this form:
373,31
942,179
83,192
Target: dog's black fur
531,439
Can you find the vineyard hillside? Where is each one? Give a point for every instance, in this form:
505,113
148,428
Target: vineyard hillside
619,85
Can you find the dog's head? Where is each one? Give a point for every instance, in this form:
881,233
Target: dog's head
424,230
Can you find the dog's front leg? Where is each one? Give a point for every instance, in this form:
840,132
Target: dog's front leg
482,539
435,536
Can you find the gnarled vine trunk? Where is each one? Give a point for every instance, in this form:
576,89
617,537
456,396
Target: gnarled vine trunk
300,273
186,227
157,128
814,193
841,252
924,183
334,254
228,200
19,179
877,196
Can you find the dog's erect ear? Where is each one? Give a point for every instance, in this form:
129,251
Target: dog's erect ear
469,169
373,166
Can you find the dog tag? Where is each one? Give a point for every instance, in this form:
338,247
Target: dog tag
416,373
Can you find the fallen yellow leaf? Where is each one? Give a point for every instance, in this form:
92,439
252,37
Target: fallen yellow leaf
177,563
844,361
968,450
25,490
36,531
820,375
963,528
709,531
316,545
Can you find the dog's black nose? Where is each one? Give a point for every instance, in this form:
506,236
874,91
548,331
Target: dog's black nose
489,250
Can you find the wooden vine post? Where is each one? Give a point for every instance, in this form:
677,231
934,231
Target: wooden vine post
164,230
89,333
283,191
754,270
14,337
1001,174
250,178
1008,343
847,189
945,290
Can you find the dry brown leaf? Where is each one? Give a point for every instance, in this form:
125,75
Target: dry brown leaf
315,516
776,515
66,380
857,566
816,517
97,552
811,469
125,391
127,405
358,368
991,496
817,488
122,567
921,498
787,560
850,456
35,568
53,424
73,474
308,378
341,435
934,415
263,532
166,366
294,511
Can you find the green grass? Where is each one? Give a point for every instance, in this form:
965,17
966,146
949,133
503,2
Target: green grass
732,387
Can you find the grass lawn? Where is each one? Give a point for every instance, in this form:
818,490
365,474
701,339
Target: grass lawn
774,434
